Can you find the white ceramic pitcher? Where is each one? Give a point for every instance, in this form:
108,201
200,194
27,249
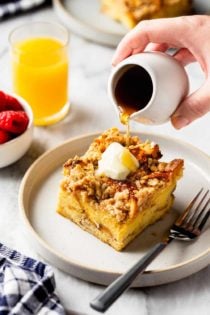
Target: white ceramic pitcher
170,85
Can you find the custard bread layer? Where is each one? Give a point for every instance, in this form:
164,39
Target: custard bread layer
116,211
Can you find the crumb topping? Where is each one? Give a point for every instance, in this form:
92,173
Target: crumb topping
122,198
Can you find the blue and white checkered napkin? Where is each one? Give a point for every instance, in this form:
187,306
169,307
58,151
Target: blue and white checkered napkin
12,7
26,286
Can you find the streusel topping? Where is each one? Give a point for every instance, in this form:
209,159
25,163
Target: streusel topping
122,198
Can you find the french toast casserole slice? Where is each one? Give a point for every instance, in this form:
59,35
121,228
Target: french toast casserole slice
116,211
130,12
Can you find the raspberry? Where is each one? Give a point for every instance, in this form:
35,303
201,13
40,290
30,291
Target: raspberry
15,122
4,136
8,102
2,101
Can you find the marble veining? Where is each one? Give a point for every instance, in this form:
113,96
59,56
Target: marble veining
91,111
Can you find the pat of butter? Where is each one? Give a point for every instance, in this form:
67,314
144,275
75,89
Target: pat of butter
117,162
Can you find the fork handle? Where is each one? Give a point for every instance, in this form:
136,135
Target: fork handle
105,299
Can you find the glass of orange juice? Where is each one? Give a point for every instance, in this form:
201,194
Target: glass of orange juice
39,53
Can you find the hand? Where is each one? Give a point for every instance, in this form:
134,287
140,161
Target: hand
190,35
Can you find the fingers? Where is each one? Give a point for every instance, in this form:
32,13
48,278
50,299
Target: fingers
157,47
180,33
170,31
193,107
133,43
184,56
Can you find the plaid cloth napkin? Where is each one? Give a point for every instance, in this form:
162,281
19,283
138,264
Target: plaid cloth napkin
12,7
26,286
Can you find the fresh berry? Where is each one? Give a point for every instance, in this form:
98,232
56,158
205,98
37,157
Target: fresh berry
8,102
15,122
2,101
12,103
4,136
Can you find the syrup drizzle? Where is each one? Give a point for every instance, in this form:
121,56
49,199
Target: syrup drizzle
125,120
133,92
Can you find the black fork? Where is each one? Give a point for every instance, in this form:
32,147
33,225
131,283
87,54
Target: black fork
186,228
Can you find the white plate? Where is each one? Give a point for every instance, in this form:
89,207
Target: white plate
83,17
66,246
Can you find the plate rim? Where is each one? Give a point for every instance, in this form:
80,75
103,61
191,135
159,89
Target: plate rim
77,26
52,251
97,35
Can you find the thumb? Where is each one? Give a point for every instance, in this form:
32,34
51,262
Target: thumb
193,107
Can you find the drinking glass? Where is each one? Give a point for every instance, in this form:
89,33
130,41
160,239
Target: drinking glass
39,57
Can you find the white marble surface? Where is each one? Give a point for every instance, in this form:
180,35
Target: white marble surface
92,111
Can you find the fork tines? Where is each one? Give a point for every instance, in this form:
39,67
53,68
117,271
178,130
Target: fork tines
197,213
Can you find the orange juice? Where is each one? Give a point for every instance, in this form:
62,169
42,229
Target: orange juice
40,75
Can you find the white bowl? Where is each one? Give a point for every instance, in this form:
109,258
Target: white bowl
14,149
